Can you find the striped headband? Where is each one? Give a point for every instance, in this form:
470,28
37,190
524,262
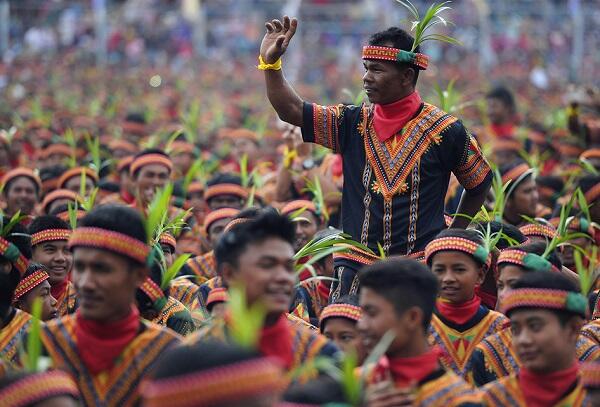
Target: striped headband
548,192
149,159
154,292
545,298
14,255
217,294
530,261
225,189
111,241
460,244
593,193
395,55
123,145
347,311
76,172
591,153
222,384
235,222
590,375
516,174
218,215
50,235
181,147
38,387
29,283
56,195
168,239
195,187
61,149
22,172
569,149
547,231
506,145
294,206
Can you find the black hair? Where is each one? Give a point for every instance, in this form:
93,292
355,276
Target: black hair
13,180
510,231
32,267
224,178
468,234
45,222
116,218
9,281
514,183
62,208
551,181
148,151
110,186
346,299
539,248
588,182
135,117
204,355
53,172
405,283
504,95
398,38
268,223
320,391
551,281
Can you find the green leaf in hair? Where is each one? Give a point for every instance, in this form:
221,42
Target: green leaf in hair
481,254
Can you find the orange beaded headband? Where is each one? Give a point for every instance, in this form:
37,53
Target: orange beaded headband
235,222
116,242
395,55
294,206
195,187
460,244
222,384
348,311
225,189
217,215
547,231
75,172
530,261
149,159
13,254
38,387
168,239
58,194
592,194
152,290
50,235
545,298
22,172
29,283
515,174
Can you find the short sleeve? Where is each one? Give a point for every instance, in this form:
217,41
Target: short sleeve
327,126
472,170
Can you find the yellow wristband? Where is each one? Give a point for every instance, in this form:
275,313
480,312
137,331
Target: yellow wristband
572,111
288,157
264,66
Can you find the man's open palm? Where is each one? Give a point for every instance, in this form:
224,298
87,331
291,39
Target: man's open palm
277,38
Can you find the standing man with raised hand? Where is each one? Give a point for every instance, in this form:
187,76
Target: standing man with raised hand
398,152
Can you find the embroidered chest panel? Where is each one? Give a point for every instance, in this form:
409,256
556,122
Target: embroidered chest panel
459,346
67,303
500,358
119,387
446,390
506,392
394,159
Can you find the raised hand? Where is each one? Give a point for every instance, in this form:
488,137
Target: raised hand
277,38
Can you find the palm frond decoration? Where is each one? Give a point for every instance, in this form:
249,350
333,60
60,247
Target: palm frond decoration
587,166
192,174
32,354
69,138
246,321
431,18
535,159
355,98
587,274
93,146
72,211
314,188
190,119
157,220
171,139
448,98
6,228
169,273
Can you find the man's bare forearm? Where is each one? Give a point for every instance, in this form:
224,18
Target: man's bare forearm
283,98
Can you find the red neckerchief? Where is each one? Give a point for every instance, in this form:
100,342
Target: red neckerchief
323,290
100,344
407,371
127,197
543,390
458,313
391,118
487,299
58,290
503,130
276,341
